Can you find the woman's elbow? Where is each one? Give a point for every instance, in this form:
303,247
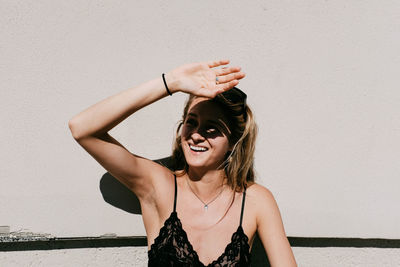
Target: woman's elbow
74,129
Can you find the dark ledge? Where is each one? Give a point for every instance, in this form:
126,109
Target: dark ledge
344,242
74,242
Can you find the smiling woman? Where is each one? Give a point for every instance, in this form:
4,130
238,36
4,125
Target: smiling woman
214,118
204,141
213,175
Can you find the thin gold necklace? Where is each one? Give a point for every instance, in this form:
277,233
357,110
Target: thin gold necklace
205,203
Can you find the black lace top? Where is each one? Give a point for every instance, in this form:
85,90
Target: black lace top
172,246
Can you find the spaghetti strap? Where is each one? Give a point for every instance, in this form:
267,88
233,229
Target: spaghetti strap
241,213
176,192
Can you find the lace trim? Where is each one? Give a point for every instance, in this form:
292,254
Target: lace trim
172,247
236,253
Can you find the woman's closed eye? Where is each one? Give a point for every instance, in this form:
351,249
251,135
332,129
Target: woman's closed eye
209,129
191,122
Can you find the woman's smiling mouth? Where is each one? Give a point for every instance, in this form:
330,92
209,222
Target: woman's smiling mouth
198,148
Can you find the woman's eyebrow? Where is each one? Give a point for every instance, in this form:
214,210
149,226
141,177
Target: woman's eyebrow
219,122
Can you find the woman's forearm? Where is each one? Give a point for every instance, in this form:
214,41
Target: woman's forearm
106,114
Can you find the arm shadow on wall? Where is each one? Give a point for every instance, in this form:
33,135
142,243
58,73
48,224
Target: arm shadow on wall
119,196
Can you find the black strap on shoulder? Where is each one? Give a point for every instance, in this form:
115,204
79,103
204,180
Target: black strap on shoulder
241,213
176,192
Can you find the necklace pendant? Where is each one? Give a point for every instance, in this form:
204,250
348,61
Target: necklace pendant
206,207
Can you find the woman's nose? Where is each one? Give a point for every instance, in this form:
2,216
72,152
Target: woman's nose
197,136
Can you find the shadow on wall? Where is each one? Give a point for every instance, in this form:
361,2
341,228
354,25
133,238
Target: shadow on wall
119,196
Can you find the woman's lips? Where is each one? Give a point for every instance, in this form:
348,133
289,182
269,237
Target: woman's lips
198,148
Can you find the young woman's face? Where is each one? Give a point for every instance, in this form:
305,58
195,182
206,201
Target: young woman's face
205,135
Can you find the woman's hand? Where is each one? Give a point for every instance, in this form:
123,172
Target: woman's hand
200,79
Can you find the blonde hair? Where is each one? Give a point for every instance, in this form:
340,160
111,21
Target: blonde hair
239,165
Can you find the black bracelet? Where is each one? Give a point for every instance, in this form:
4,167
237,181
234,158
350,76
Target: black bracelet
165,83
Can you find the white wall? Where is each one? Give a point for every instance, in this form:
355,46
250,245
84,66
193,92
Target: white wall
322,77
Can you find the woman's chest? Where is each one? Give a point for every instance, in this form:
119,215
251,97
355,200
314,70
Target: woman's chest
210,237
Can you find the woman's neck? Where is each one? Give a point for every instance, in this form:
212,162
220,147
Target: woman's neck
206,184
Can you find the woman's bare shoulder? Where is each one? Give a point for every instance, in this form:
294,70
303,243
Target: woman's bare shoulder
263,200
259,193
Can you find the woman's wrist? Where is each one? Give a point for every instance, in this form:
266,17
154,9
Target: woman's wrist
171,83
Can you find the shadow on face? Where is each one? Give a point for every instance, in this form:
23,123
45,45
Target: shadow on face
207,119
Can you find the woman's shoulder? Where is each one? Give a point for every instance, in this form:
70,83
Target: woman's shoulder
259,192
260,198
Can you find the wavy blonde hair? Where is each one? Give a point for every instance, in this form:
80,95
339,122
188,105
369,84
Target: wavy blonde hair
239,164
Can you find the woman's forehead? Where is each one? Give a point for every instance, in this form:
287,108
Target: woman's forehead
205,109
202,106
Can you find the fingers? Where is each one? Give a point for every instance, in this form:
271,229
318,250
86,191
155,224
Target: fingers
226,86
231,77
226,70
227,77
213,64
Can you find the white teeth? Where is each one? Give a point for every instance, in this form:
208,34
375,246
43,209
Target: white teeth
197,148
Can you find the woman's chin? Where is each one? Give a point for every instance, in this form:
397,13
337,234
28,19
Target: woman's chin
196,164
201,160
201,165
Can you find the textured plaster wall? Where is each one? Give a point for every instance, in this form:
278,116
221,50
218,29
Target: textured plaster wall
121,257
322,78
347,257
93,257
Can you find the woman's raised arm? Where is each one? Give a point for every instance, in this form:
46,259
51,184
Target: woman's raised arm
90,127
